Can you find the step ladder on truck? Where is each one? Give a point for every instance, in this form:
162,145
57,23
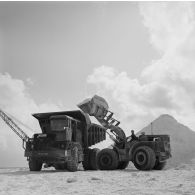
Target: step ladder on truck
147,152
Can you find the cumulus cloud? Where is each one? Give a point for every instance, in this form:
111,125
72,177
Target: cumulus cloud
167,85
15,100
169,24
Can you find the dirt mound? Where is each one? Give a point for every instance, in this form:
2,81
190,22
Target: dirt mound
182,138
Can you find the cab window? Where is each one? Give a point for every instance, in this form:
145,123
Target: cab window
59,124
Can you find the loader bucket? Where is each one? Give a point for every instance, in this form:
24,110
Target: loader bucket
95,106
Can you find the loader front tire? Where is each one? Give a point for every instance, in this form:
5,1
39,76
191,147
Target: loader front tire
144,158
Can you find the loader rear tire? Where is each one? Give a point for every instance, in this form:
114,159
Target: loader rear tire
144,158
159,165
123,165
93,158
34,164
107,159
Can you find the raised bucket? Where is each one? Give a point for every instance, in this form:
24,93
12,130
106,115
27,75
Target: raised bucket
95,106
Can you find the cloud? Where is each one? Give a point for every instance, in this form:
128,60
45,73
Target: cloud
175,69
167,85
16,100
128,98
3,144
169,24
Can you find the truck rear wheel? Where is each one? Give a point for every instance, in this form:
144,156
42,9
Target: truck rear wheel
34,164
159,165
93,158
72,164
123,165
86,161
107,159
60,166
144,158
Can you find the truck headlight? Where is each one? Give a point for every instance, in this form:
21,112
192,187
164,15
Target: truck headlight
66,153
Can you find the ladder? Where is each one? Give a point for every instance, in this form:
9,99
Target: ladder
14,127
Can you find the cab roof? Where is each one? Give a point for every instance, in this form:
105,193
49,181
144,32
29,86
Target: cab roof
76,114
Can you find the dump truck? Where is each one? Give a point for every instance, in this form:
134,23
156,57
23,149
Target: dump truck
147,152
64,142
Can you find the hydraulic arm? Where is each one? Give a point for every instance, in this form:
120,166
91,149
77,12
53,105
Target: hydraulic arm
98,107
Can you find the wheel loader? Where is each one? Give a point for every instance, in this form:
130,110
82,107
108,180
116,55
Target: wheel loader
147,152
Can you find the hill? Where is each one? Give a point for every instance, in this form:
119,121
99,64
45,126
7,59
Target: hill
182,138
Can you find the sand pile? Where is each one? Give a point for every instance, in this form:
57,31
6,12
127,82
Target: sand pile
182,138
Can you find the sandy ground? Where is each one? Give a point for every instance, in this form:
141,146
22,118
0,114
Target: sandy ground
19,181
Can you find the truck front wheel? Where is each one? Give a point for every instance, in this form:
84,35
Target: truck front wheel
93,158
72,164
107,159
144,158
86,162
34,164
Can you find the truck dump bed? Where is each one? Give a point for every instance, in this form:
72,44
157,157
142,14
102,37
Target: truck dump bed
96,134
92,133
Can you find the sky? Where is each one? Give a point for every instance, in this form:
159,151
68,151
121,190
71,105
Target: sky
138,56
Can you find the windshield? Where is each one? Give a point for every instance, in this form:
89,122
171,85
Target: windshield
59,124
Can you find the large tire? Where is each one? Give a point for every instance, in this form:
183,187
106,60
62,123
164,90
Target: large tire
159,165
93,158
72,164
86,162
144,158
60,166
34,165
107,159
123,165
